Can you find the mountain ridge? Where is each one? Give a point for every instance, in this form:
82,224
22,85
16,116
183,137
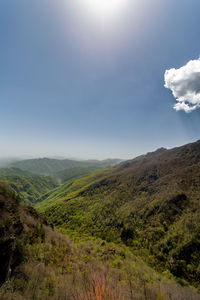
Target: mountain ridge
63,169
152,199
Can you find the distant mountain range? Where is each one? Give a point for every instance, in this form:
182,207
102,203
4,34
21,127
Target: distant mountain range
63,169
33,178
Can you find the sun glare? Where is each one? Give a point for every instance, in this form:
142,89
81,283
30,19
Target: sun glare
104,8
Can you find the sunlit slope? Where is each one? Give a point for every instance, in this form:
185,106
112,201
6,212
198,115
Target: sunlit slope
70,189
29,186
36,262
151,202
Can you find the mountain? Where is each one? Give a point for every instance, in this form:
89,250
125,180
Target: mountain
63,169
29,186
6,162
36,262
150,204
84,168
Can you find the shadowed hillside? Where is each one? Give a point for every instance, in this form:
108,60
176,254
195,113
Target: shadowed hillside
150,203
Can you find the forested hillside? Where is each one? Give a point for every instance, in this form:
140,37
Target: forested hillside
38,263
29,186
135,230
63,169
150,203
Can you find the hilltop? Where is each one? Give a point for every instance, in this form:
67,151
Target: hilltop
150,204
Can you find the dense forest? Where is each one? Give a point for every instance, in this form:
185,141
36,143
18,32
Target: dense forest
63,169
129,231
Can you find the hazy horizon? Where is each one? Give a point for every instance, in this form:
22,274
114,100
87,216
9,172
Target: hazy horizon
78,157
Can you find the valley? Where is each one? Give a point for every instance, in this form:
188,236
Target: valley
127,231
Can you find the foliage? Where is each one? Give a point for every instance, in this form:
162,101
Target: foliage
151,204
44,264
29,186
127,223
63,169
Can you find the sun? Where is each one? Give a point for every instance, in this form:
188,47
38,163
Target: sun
104,8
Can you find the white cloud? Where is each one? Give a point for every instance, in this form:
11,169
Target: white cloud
185,85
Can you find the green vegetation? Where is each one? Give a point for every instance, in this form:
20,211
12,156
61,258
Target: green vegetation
65,169
6,162
29,186
38,263
69,188
135,230
150,204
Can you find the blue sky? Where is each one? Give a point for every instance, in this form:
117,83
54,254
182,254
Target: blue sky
77,85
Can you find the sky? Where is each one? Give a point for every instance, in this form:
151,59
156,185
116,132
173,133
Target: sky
83,79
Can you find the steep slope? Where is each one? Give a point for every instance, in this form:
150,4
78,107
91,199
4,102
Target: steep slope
150,203
70,188
84,169
63,170
38,263
29,186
